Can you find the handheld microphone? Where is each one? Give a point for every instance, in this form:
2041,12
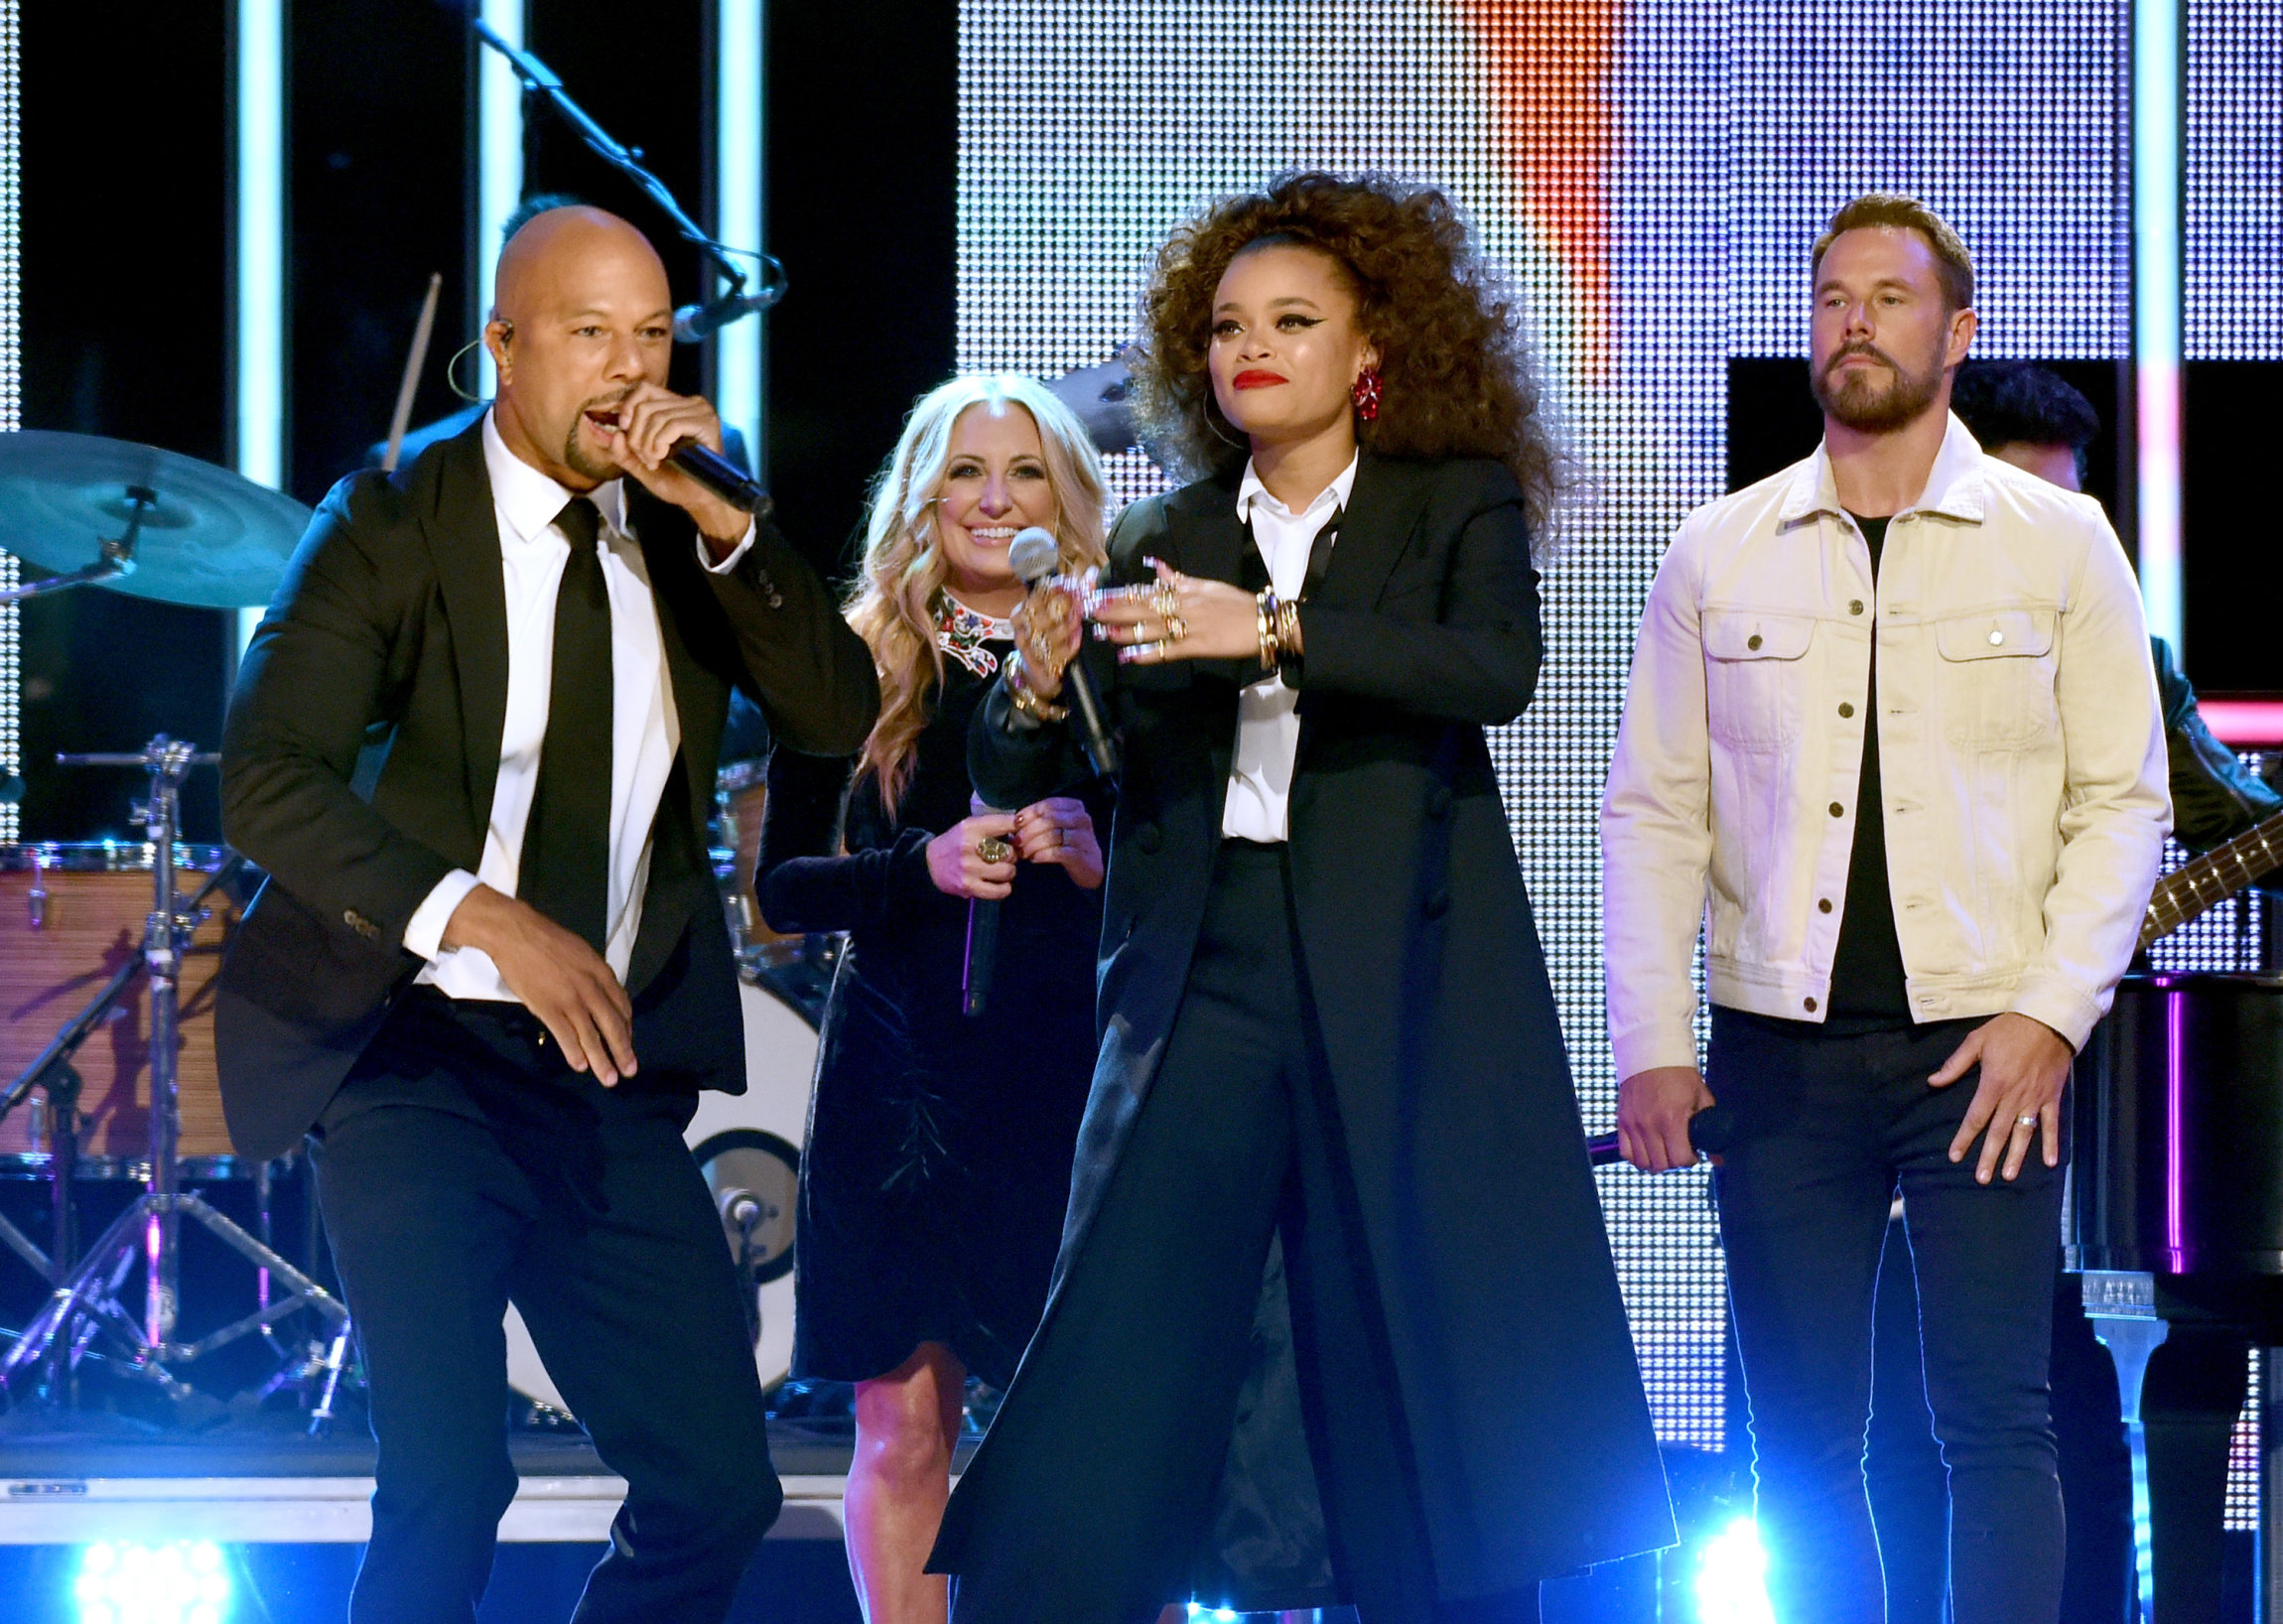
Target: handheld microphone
982,942
1711,1131
721,477
1034,554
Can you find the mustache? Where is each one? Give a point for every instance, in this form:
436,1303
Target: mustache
1872,351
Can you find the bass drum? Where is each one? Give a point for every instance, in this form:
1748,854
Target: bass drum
748,1146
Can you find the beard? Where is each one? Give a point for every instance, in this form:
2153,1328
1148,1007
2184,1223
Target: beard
1857,401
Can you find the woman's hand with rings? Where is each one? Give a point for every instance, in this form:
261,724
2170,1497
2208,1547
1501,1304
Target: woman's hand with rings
1060,831
1049,626
974,857
1176,618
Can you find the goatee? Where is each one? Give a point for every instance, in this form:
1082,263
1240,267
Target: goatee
1855,401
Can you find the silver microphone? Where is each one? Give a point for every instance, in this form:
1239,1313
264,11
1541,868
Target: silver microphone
1035,553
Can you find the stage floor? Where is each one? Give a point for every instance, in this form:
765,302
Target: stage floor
260,1486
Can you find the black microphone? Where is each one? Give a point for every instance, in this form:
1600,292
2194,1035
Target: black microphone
1711,1131
982,942
721,477
982,951
694,324
1034,556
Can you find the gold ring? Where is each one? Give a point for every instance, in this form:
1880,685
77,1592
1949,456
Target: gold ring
992,849
1177,628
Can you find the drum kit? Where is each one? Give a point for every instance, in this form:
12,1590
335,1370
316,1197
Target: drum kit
108,951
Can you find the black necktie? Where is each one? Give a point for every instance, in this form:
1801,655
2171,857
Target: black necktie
566,866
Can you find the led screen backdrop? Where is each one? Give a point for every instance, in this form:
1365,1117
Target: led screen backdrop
1652,175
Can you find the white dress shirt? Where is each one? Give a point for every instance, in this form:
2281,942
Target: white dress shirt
1267,725
645,732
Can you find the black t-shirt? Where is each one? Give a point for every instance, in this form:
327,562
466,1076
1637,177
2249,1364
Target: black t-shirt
1867,987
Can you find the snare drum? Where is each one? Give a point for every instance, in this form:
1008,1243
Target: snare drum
69,916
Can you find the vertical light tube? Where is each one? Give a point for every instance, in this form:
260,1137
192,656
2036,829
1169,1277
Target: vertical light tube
2156,307
11,358
258,257
498,159
740,184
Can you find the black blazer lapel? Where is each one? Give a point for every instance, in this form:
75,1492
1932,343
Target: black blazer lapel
1203,533
462,535
1382,510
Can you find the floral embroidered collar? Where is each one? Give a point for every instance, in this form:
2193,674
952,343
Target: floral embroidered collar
961,632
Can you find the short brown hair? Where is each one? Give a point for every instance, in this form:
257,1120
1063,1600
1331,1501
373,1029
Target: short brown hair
1954,264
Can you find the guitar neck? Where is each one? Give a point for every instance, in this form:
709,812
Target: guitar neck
2198,886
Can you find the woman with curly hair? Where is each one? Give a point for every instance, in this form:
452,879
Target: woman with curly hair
939,1149
1335,1317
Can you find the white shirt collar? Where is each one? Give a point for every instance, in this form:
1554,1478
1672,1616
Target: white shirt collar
529,500
1332,496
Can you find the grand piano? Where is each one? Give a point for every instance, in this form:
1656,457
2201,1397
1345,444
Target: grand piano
2175,1218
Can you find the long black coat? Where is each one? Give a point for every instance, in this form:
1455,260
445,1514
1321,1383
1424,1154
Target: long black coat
1515,1367
389,638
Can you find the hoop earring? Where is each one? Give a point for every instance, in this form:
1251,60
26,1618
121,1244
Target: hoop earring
1245,445
1366,392
452,380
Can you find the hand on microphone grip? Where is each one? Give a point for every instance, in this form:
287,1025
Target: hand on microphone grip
558,976
1653,1112
958,866
649,423
1049,626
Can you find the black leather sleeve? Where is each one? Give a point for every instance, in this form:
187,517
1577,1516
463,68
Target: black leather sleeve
2214,797
310,681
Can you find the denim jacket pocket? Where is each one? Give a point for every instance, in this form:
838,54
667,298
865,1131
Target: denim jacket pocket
1994,677
1755,676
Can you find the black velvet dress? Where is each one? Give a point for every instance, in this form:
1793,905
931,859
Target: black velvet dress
938,1161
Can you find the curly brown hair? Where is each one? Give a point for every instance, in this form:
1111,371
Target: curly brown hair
1457,377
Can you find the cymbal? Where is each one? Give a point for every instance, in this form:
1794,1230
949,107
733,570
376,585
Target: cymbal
214,539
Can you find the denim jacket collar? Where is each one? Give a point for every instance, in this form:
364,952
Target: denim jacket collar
1956,485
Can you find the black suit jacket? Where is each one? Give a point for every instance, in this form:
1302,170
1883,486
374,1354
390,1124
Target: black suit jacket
390,633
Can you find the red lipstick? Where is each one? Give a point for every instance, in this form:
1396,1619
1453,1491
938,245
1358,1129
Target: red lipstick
1257,380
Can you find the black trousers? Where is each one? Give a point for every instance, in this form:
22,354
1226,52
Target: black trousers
1910,1491
1827,1129
1238,1143
462,1167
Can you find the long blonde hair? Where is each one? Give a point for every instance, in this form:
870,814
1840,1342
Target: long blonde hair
893,603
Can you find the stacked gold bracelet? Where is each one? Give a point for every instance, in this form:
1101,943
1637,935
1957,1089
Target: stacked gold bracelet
1278,624
1020,695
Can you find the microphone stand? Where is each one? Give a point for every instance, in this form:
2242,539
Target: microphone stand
541,80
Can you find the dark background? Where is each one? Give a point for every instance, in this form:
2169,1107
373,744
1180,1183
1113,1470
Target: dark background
125,195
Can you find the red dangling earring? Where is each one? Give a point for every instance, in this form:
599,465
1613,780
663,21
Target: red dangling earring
1366,390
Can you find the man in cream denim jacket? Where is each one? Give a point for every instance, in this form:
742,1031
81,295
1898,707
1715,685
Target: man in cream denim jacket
1969,922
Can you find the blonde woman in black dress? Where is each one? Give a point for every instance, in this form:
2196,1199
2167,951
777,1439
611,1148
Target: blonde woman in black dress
938,1161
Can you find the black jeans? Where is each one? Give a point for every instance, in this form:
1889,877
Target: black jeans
1827,1129
1910,1492
465,1165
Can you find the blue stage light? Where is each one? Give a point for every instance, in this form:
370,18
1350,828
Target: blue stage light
181,1583
1732,1576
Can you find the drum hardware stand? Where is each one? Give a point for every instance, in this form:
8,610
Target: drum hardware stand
114,558
152,1224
